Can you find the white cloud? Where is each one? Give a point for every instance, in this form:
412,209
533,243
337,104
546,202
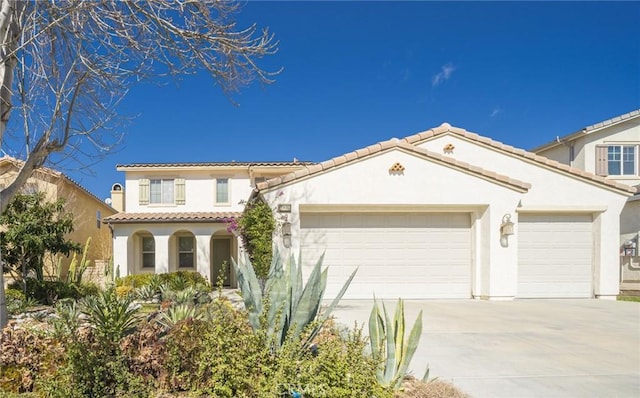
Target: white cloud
496,111
443,75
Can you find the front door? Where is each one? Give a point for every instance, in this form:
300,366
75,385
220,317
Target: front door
221,261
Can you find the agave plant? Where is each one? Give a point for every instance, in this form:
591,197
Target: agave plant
145,292
287,306
67,318
177,313
389,346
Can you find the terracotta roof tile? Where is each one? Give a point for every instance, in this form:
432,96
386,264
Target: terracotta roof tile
215,164
209,217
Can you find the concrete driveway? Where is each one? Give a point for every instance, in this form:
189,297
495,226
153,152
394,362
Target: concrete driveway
525,348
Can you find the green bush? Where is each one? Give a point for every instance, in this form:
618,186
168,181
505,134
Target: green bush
220,358
15,301
48,292
175,280
338,367
134,280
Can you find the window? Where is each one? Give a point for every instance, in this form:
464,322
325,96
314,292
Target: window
148,252
161,191
621,160
186,258
617,160
222,190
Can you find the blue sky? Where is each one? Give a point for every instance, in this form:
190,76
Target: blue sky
356,73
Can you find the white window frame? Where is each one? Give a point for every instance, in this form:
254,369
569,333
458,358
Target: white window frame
215,193
143,252
162,201
621,160
192,251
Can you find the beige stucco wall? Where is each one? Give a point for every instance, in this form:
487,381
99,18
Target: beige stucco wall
84,208
627,132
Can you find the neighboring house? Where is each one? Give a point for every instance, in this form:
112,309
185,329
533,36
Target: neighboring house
610,149
88,210
450,214
175,216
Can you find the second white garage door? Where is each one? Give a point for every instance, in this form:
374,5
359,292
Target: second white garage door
555,255
416,255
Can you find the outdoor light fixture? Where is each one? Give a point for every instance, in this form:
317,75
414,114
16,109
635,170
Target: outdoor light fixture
286,234
506,229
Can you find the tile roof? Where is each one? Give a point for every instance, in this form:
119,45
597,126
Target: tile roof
408,144
587,130
216,164
194,217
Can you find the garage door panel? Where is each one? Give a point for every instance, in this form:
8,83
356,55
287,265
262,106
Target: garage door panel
555,254
425,255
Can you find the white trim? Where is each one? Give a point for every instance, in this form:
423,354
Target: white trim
561,209
384,208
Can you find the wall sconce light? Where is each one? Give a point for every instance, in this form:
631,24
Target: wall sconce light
286,234
506,229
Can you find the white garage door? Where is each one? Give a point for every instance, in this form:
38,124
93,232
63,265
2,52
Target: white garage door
417,255
555,255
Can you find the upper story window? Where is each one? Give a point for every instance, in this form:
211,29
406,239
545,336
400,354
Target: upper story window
222,191
617,160
162,191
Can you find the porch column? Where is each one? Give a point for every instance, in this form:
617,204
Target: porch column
203,253
121,254
162,254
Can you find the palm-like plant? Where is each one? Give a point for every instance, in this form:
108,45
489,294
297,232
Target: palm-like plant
111,316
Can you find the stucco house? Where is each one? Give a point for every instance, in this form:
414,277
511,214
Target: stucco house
611,149
88,210
447,213
175,216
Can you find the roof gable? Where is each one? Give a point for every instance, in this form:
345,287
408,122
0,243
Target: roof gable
410,144
519,154
390,145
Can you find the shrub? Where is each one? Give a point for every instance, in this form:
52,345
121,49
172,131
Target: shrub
256,227
221,358
26,356
135,280
175,280
125,291
49,292
15,301
339,367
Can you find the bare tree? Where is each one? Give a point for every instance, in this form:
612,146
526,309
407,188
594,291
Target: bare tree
66,65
